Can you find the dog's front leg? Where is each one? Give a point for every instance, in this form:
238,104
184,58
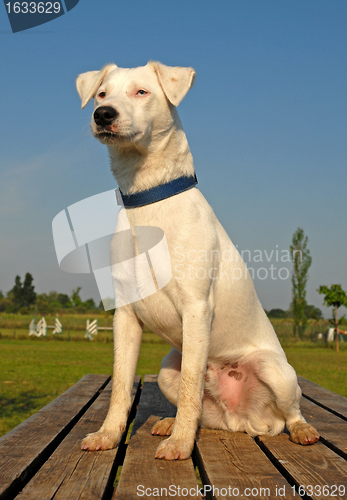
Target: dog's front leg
127,341
195,346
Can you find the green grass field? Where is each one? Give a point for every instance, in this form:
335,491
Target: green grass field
325,367
33,372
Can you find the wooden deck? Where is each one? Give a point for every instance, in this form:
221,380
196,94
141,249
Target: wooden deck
41,458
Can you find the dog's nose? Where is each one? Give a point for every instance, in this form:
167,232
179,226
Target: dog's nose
104,115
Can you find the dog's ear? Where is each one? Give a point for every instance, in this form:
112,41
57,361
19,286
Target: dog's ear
88,83
175,81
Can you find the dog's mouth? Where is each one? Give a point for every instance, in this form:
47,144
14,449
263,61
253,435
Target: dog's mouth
106,136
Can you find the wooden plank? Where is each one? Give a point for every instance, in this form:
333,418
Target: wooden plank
152,400
70,473
234,466
333,402
313,467
24,449
332,429
144,476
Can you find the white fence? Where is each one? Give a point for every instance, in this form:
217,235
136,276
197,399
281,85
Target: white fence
92,328
41,328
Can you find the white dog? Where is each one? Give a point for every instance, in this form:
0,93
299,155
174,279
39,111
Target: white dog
226,369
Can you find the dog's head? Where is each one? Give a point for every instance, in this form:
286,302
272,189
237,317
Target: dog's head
133,105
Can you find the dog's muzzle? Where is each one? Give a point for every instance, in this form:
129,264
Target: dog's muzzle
105,115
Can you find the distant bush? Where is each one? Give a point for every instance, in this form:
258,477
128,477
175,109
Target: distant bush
277,313
22,299
311,312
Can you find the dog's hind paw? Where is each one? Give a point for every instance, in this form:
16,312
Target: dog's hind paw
99,441
303,433
163,427
174,449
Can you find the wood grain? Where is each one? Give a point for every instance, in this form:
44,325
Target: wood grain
71,473
331,401
331,428
314,465
24,449
232,462
42,456
141,471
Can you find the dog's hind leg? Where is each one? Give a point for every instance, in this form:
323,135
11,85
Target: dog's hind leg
274,371
169,381
170,374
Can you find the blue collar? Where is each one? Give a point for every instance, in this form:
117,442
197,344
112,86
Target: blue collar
159,193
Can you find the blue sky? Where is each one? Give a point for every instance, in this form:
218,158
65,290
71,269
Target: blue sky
266,122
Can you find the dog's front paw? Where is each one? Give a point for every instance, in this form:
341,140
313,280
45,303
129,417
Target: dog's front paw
100,441
303,433
174,449
163,427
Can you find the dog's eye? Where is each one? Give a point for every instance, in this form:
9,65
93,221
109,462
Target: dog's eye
142,92
102,95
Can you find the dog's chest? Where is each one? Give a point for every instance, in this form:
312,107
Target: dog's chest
159,313
186,223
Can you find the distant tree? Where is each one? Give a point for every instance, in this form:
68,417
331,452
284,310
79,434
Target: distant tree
43,305
277,313
23,295
28,292
75,297
312,312
52,296
302,261
89,304
64,300
51,302
5,303
17,292
336,297
78,304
